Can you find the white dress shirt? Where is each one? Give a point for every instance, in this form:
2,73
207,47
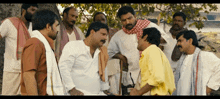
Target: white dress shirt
168,50
80,70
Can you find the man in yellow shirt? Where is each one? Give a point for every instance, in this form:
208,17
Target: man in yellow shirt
156,73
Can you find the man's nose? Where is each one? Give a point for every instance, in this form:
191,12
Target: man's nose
127,22
75,19
178,43
175,22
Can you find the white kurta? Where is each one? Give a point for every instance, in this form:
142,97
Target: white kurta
78,69
127,45
168,50
211,71
185,72
12,66
8,30
72,36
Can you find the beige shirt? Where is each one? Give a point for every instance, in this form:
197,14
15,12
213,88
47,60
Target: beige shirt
7,30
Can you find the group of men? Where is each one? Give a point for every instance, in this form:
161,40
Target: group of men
46,57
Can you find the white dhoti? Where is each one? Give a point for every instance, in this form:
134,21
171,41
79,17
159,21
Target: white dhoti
9,79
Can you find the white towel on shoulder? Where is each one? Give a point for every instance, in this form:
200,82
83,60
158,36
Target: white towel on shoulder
54,82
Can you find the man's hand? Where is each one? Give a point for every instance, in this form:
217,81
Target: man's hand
134,92
30,82
176,54
74,91
208,90
122,59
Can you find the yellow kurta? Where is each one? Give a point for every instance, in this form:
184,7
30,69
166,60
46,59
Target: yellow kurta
156,71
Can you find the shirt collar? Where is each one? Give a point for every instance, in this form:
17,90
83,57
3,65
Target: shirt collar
152,45
88,49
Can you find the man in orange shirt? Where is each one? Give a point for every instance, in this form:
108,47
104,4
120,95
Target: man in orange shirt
34,62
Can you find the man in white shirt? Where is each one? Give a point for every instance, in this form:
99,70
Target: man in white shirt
79,63
68,30
10,28
123,44
113,65
172,52
197,71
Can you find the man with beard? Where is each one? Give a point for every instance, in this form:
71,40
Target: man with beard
172,52
123,44
39,71
68,30
16,31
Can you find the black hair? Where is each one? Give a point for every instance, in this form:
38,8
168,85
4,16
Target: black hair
97,14
42,17
27,5
180,14
124,10
187,35
153,35
96,26
66,10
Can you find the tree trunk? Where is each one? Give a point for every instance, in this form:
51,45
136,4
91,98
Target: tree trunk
51,7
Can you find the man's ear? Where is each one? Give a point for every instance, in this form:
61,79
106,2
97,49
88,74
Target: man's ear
145,38
23,12
64,15
92,32
48,27
190,40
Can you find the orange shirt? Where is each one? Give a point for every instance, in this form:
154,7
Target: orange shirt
34,58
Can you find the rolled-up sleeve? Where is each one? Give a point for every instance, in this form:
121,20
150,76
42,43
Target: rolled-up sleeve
113,47
214,80
31,54
66,61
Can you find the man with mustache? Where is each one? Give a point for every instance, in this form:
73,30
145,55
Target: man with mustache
113,64
197,72
123,44
172,52
16,31
68,30
83,63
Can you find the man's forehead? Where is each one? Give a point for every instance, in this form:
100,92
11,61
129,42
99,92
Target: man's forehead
127,15
181,37
178,17
101,16
103,29
73,11
32,8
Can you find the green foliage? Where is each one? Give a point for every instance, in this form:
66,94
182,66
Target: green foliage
167,10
